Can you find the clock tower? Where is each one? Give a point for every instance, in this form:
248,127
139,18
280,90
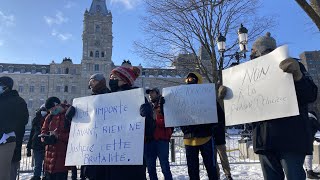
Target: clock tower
97,40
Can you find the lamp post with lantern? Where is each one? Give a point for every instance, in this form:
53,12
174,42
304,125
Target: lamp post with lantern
243,41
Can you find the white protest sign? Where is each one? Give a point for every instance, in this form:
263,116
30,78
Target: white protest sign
259,90
190,104
107,130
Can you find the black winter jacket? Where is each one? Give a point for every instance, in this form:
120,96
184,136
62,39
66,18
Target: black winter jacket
289,134
219,131
14,116
35,141
202,130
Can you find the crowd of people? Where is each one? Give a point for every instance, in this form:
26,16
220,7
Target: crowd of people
283,144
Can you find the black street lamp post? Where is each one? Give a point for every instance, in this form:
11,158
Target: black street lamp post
243,41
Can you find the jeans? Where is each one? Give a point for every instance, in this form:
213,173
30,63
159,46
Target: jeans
277,165
38,162
160,149
207,153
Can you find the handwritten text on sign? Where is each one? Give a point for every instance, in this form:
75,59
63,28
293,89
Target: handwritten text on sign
107,130
190,105
259,90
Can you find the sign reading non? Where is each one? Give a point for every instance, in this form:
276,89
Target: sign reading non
259,90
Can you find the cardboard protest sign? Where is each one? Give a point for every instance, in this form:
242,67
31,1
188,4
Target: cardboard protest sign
259,90
107,130
190,105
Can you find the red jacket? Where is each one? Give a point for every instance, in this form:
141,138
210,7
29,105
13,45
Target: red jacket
55,154
161,132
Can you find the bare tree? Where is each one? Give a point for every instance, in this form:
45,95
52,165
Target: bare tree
175,26
312,9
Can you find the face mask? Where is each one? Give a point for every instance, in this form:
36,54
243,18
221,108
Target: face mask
56,111
113,84
43,113
155,100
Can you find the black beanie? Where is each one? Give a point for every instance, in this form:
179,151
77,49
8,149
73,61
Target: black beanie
6,81
51,102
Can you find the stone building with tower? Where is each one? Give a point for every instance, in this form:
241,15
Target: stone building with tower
66,80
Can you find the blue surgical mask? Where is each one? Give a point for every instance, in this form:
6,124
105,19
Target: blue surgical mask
56,111
43,113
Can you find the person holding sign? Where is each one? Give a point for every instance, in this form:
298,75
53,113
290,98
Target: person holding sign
122,79
55,135
158,144
97,85
199,138
283,143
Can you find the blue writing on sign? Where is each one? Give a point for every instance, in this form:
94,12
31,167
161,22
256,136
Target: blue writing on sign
112,129
88,131
117,144
114,109
82,112
81,148
135,126
115,157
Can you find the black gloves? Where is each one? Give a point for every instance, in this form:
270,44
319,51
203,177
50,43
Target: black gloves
146,110
70,113
28,152
161,103
49,140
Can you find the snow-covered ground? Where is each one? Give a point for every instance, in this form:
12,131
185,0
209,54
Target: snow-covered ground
241,169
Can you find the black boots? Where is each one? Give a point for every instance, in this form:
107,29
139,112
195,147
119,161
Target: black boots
312,175
35,178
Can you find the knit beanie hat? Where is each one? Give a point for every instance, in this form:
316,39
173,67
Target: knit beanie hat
128,75
51,102
97,77
101,86
264,43
6,81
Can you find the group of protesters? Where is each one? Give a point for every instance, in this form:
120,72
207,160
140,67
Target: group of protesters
282,144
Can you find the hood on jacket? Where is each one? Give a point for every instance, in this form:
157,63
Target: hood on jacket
196,75
9,93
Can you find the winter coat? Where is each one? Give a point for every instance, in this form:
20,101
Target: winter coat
219,130
34,139
161,132
116,172
55,154
14,116
153,112
288,134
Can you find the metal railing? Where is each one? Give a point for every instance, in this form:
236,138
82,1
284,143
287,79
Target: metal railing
238,153
239,150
